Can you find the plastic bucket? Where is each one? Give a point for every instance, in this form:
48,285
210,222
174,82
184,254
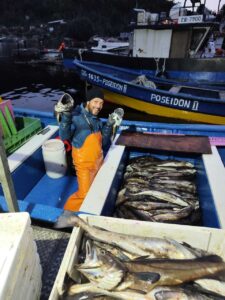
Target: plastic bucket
54,156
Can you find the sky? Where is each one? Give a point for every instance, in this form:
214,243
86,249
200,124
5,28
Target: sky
210,4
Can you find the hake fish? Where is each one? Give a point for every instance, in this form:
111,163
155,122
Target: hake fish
122,295
182,293
106,272
212,285
173,164
168,197
184,185
142,205
174,272
152,247
117,252
173,215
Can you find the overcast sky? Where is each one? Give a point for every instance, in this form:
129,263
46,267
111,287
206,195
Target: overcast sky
210,4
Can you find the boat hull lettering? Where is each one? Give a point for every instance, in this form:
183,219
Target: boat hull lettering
103,81
172,101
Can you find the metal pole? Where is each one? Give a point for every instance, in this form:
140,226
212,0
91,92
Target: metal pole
218,6
6,180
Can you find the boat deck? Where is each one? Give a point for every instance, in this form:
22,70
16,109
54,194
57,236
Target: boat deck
51,245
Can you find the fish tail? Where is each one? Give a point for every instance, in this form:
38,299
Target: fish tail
67,219
219,276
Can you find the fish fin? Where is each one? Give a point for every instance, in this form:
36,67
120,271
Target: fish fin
140,258
210,258
209,291
64,220
218,276
196,251
111,280
147,276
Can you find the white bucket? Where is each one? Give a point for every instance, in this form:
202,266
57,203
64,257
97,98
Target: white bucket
54,155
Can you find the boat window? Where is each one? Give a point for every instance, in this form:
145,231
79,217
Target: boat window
180,43
103,46
197,35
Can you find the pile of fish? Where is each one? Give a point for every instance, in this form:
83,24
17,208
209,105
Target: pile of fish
159,191
129,267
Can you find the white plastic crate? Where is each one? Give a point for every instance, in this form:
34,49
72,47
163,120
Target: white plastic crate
210,239
19,260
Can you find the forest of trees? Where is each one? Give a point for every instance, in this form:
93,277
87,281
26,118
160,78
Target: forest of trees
83,17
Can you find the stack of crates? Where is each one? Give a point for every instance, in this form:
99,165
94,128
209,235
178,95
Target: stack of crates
15,131
20,269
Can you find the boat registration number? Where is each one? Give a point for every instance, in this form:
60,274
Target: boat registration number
190,19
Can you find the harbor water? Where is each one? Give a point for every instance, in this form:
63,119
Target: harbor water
40,88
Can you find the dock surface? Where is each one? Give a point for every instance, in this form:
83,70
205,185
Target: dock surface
51,245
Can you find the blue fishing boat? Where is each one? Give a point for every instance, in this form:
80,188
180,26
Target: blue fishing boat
185,44
44,197
153,96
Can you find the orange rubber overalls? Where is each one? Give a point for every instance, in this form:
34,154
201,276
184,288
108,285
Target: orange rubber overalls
87,161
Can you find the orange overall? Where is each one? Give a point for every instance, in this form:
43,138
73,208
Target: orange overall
87,161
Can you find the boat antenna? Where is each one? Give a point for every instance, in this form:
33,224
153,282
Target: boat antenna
218,5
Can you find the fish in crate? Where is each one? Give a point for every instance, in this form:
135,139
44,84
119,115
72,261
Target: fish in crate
115,265
159,190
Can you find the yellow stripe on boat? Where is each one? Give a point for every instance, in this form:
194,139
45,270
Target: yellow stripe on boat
162,111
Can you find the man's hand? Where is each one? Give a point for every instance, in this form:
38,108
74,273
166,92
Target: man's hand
111,120
116,117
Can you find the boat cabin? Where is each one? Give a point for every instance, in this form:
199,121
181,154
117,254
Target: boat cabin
183,34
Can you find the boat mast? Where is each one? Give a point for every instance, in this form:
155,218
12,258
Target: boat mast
218,6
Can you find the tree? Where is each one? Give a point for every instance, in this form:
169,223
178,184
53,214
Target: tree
80,29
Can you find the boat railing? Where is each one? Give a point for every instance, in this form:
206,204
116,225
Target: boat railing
176,12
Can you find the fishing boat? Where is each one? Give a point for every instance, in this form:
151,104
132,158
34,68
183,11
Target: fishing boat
155,97
43,197
185,44
109,45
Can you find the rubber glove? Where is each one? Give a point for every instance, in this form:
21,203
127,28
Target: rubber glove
111,120
116,117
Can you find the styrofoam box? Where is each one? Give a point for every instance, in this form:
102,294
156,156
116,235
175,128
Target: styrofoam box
31,269
33,287
210,239
19,259
23,270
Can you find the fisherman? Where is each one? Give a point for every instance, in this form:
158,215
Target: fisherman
88,136
62,46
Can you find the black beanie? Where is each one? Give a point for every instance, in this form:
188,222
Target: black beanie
94,93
